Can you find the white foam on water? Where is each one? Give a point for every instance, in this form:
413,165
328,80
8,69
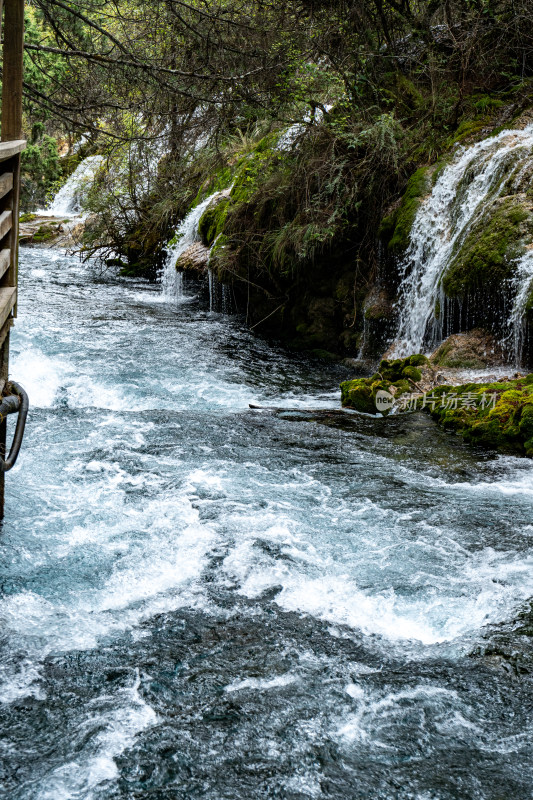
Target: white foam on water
376,715
261,684
111,727
40,375
20,680
450,591
151,559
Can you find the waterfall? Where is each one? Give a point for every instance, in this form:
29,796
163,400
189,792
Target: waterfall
68,202
186,235
460,194
523,281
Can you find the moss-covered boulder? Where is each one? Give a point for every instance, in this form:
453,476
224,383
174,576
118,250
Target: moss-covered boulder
403,368
393,376
487,256
496,415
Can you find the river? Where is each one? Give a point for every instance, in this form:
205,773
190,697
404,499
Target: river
200,600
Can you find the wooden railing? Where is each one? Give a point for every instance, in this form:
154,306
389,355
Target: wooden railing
11,147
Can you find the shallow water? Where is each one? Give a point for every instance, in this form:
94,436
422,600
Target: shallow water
199,600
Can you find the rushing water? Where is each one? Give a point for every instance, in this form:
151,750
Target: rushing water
461,193
199,600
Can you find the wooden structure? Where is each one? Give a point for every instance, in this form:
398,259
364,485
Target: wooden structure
11,146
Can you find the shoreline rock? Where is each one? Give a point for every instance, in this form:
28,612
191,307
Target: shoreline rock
494,412
49,231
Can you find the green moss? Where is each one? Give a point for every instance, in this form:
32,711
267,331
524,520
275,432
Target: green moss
360,394
418,186
43,234
212,221
418,360
413,373
27,217
401,368
402,386
485,258
497,415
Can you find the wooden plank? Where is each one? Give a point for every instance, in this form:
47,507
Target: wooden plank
8,298
6,183
5,261
10,149
4,333
5,222
12,70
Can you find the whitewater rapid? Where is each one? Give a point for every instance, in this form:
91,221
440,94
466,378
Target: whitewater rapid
202,600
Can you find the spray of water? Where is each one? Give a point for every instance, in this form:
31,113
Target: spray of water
523,281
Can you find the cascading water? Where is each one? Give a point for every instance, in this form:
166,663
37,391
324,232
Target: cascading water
68,202
186,235
445,217
524,286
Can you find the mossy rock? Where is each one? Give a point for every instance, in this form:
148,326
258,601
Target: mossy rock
418,360
476,349
413,373
397,227
357,394
395,370
487,256
212,220
44,234
360,394
497,415
27,218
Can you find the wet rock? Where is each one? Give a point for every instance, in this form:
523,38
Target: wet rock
194,259
476,349
49,231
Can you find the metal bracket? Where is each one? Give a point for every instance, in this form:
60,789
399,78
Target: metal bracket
16,403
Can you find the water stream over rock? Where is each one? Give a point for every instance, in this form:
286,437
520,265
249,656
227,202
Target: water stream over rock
463,190
68,201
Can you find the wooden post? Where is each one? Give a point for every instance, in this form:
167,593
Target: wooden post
12,84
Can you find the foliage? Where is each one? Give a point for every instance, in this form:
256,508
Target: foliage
40,172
